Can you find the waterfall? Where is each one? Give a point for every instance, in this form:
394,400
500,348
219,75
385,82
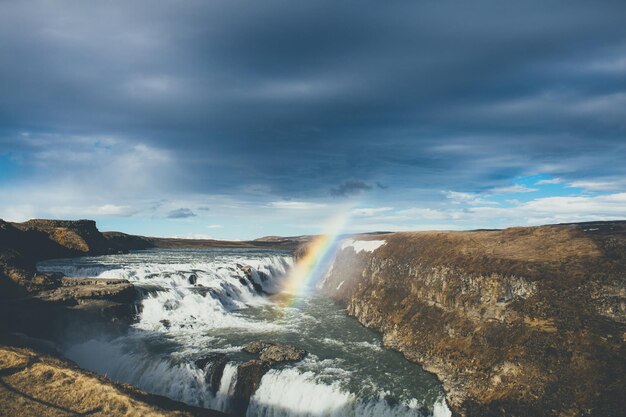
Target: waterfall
199,308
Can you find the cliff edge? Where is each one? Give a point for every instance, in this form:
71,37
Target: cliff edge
515,322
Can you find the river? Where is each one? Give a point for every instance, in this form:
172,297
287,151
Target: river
200,302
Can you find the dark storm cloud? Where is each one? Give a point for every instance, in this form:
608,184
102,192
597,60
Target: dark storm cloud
350,188
181,213
293,98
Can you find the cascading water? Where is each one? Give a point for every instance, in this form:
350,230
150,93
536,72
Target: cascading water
201,306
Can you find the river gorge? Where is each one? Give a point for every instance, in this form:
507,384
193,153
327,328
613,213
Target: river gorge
200,302
513,322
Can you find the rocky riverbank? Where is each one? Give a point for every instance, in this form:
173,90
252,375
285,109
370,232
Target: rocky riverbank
39,310
519,322
44,305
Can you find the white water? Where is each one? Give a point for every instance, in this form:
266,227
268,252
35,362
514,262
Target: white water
347,373
289,392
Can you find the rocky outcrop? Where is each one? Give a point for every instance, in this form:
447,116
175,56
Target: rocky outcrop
33,384
213,366
68,305
46,305
23,244
250,373
275,352
39,309
45,239
518,322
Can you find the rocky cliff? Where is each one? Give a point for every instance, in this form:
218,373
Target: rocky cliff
518,322
45,239
23,244
47,305
39,310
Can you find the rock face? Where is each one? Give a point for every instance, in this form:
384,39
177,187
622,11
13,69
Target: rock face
23,244
275,352
33,385
60,238
518,322
250,373
41,304
213,366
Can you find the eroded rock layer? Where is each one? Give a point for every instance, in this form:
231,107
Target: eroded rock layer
518,322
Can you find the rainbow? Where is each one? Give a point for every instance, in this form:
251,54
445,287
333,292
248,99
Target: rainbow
320,252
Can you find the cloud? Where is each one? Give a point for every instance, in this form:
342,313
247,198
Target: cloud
181,213
546,210
601,185
202,236
112,210
257,110
418,213
318,109
466,215
550,181
350,188
610,205
458,197
295,205
511,189
215,226
370,211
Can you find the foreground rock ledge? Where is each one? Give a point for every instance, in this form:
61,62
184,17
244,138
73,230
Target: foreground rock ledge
32,384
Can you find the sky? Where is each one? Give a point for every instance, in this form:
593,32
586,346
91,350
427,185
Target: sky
240,119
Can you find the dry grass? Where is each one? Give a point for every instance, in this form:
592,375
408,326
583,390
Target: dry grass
37,385
69,239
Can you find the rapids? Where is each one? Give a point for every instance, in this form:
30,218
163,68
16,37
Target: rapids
213,301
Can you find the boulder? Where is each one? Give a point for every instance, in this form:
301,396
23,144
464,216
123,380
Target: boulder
275,352
193,279
282,353
256,346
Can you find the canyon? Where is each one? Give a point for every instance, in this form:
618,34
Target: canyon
515,322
